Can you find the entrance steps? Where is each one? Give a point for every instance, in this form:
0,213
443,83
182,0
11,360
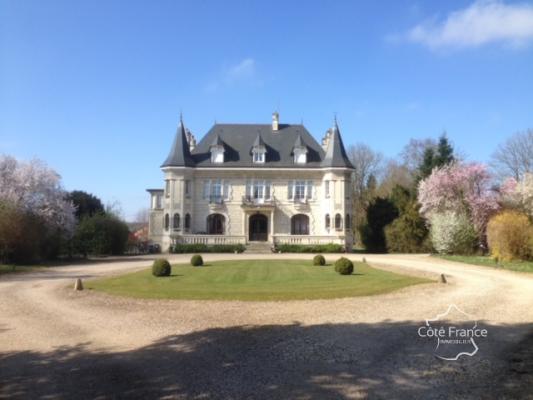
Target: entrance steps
259,247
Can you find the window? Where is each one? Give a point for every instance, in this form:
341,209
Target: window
328,222
338,222
348,222
176,222
167,188
300,155
187,188
258,189
326,189
216,190
300,190
347,190
258,156
300,224
215,224
187,222
167,222
217,154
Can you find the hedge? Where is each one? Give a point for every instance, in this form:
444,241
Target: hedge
317,248
203,248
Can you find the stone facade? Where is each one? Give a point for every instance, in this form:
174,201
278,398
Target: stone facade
214,204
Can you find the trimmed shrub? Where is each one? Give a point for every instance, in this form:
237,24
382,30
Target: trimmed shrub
203,248
161,267
319,260
317,248
453,233
344,266
510,236
197,260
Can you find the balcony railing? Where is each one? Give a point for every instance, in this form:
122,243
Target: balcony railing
216,200
308,239
210,239
257,201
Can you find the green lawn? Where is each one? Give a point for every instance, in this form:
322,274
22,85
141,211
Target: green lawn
255,280
522,266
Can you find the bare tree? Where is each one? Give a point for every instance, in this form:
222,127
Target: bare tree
395,173
143,215
367,162
514,157
412,154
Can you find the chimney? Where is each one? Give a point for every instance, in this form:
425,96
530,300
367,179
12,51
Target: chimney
275,121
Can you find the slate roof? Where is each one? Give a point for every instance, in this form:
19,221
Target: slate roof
239,139
180,155
335,152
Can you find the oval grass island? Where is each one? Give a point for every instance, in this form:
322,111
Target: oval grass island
255,280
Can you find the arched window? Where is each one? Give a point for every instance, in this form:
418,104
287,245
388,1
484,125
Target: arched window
328,222
176,222
167,222
348,222
187,221
215,224
338,222
300,224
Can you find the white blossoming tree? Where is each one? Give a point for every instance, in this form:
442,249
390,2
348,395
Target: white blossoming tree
32,189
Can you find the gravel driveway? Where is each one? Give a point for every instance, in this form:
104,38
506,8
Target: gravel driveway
57,343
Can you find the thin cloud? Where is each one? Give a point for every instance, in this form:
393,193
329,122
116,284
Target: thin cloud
244,72
481,23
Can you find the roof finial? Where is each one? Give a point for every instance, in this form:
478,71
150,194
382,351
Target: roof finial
181,117
335,125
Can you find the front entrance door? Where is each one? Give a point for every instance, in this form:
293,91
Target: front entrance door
258,228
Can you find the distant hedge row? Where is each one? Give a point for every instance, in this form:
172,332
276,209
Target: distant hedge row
316,248
204,248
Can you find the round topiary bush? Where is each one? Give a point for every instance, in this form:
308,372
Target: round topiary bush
319,260
161,267
344,266
197,260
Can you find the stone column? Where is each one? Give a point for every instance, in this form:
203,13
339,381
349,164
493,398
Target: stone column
272,226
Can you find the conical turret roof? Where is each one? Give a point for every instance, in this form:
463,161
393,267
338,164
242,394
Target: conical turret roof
180,154
335,152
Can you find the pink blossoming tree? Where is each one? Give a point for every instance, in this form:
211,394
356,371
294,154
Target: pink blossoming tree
460,188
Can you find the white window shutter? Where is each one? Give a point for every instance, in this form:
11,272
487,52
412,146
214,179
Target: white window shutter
225,189
291,189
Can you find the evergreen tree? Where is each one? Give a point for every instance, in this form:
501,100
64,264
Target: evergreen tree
444,152
437,157
86,204
428,163
379,214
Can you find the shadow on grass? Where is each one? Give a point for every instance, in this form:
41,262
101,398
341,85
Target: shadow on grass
331,361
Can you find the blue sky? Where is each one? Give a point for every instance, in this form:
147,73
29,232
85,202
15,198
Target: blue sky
95,88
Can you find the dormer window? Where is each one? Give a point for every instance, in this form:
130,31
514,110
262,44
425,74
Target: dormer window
300,155
217,155
217,150
258,151
299,151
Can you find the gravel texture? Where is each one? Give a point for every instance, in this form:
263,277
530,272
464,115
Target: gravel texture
59,343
